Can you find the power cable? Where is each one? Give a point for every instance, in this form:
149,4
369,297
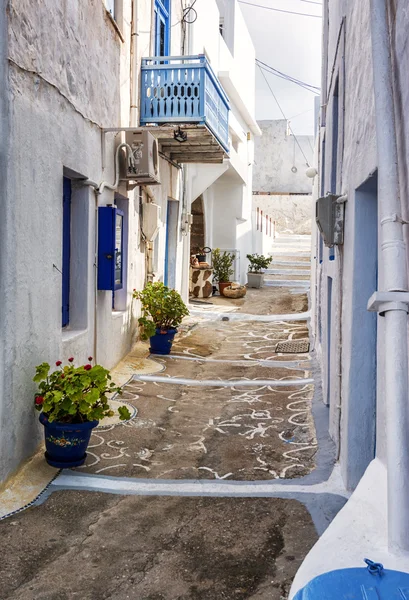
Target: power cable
311,2
281,74
288,79
186,12
289,12
282,112
301,113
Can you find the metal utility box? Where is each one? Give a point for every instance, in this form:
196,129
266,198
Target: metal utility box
329,215
110,248
144,166
150,220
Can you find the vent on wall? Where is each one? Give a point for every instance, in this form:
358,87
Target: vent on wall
329,215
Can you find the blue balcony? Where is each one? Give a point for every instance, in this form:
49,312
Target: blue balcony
184,92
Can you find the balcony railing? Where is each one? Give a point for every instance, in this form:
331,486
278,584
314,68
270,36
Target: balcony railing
184,89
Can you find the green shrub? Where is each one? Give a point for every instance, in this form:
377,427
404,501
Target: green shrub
222,265
162,308
258,262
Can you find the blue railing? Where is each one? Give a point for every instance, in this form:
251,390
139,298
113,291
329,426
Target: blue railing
184,89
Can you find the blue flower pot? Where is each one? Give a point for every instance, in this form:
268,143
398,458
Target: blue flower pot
161,342
66,443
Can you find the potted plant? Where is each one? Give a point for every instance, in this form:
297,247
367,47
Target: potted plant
201,254
162,312
72,400
255,276
222,268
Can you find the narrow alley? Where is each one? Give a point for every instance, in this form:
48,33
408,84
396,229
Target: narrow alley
217,485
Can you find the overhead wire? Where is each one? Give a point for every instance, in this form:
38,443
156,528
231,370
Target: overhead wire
311,2
286,76
282,112
289,12
313,91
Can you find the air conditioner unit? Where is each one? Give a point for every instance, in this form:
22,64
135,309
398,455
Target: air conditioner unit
329,215
143,165
150,220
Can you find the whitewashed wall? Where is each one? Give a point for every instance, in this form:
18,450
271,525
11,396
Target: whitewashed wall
68,77
290,212
279,163
227,197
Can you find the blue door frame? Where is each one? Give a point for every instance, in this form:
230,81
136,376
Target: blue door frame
66,251
162,27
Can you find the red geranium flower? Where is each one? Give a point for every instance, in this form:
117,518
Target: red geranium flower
87,367
71,359
58,363
89,357
63,376
39,400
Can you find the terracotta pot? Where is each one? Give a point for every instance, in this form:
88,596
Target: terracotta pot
222,285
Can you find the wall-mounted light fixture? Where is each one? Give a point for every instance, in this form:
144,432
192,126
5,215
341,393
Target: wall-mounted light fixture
311,172
179,135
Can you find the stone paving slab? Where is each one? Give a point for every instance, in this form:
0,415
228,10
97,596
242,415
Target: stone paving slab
95,546
263,301
240,339
184,432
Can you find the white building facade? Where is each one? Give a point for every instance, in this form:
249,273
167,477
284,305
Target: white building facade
363,162
281,190
74,83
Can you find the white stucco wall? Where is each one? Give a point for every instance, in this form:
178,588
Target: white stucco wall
69,76
279,164
227,189
291,213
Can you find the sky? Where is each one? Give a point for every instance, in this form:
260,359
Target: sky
291,44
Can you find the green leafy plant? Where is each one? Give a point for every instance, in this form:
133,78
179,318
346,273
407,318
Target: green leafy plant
162,308
222,265
73,394
258,262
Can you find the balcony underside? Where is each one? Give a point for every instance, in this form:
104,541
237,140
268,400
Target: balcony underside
201,146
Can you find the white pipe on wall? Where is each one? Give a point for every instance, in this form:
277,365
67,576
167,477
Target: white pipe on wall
133,118
393,277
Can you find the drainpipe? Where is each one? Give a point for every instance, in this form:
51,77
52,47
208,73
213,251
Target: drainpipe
133,117
393,301
152,36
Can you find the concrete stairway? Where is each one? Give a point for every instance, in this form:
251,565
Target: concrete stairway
291,256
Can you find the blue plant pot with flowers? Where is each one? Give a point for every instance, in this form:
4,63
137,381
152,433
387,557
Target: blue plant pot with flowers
66,443
161,342
72,401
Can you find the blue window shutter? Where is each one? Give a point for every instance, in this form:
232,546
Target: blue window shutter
106,248
66,251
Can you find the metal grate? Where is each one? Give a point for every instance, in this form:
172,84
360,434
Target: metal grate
293,347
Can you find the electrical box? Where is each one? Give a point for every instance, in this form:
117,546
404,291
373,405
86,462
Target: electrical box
150,220
329,215
110,248
143,165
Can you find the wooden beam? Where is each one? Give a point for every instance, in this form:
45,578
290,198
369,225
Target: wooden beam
197,158
192,149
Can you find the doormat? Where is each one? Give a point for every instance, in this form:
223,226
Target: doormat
293,347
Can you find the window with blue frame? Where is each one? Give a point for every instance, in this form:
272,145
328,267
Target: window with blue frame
66,251
162,27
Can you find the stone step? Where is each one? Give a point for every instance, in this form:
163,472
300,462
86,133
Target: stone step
287,272
288,283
